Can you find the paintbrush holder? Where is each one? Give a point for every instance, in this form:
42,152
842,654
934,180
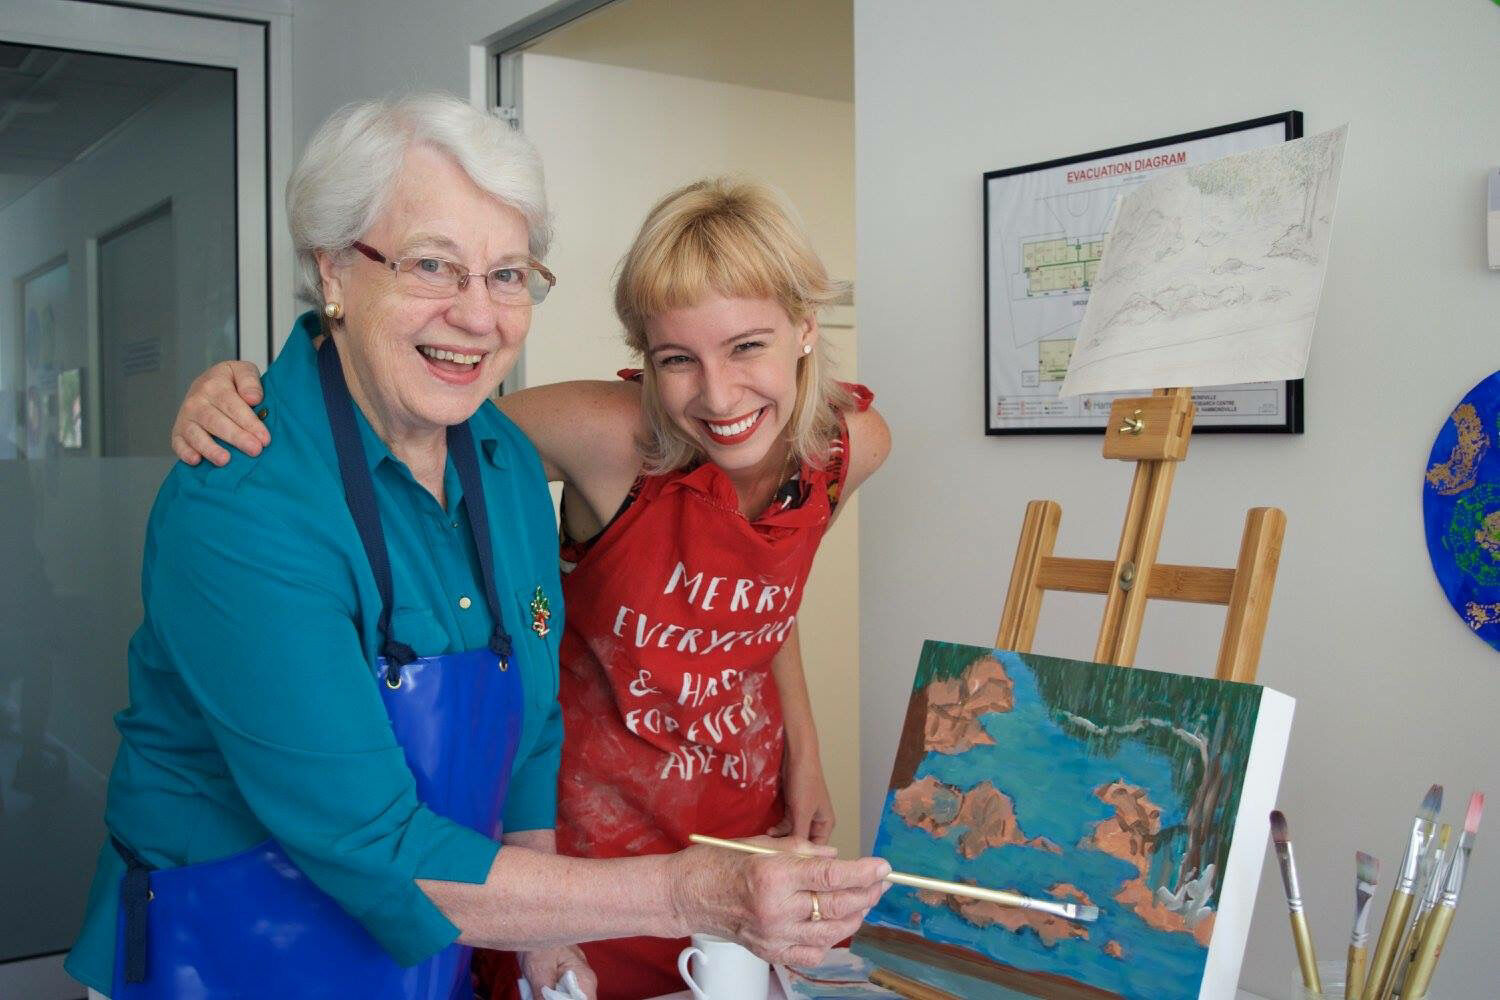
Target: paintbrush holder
1332,974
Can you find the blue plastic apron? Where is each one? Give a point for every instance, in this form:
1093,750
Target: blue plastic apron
252,925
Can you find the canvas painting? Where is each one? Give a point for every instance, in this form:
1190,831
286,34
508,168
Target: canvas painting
1461,509
1146,794
842,976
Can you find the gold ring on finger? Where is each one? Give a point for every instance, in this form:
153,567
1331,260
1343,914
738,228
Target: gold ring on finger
817,911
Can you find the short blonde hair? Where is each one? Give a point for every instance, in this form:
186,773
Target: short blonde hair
741,240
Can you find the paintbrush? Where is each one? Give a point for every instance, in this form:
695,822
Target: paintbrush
1441,919
1301,936
1366,880
1431,887
1081,912
1399,908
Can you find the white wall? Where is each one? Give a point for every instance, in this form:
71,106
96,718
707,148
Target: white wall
614,141
353,50
1393,691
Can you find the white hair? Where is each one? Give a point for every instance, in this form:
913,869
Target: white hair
348,170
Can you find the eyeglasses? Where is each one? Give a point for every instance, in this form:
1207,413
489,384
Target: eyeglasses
526,282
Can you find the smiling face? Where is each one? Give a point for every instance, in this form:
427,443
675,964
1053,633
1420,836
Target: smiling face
726,375
418,365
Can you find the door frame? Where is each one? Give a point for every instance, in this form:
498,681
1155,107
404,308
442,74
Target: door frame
257,48
256,44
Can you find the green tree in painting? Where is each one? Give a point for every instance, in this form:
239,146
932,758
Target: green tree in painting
943,661
1203,729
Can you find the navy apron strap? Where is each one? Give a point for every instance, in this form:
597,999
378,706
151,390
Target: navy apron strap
135,893
359,493
466,461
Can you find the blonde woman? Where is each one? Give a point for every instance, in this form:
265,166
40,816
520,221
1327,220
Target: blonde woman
695,494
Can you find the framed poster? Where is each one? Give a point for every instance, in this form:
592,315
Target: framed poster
1044,227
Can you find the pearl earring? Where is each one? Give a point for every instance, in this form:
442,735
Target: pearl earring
806,348
333,311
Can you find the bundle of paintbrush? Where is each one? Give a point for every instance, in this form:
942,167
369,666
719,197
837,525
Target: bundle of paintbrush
1428,885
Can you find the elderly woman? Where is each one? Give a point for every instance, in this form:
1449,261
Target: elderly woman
344,689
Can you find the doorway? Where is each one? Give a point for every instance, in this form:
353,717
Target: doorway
630,99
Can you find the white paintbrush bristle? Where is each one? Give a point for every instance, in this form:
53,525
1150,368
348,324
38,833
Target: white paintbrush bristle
1367,868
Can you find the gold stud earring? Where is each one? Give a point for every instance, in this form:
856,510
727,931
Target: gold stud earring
333,311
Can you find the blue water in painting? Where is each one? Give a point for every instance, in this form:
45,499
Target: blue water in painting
1468,572
1051,781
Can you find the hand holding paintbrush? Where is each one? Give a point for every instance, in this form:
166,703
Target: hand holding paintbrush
1082,912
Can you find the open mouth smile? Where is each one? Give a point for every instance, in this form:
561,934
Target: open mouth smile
734,431
453,367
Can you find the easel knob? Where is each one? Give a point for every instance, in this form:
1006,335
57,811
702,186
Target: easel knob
1151,428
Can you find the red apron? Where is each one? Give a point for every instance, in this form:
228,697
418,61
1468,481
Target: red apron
671,715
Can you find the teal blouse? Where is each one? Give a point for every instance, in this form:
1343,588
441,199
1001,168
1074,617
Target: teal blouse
254,711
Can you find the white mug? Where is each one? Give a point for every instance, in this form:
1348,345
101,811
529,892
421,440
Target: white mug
725,971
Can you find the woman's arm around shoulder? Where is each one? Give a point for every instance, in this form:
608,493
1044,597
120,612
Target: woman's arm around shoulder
583,430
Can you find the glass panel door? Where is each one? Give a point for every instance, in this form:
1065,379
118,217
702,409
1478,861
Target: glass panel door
132,255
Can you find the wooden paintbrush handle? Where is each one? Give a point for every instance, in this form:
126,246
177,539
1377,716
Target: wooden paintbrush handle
1306,958
1429,953
1354,977
1384,958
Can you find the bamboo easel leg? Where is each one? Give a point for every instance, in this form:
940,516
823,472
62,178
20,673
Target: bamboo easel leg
1023,602
1250,600
1140,538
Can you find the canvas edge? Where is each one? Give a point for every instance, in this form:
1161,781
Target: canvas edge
1247,852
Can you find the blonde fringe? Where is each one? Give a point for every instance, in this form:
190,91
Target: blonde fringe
738,239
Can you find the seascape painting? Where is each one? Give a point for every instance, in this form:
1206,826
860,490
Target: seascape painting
1144,793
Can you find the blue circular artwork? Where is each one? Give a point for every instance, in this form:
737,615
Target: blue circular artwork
1461,507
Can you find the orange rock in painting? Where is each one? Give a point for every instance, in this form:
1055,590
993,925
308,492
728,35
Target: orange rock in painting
981,914
986,815
1067,890
954,706
991,821
1149,908
1128,835
928,804
1114,949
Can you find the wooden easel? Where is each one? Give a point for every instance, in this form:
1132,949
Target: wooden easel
1152,431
